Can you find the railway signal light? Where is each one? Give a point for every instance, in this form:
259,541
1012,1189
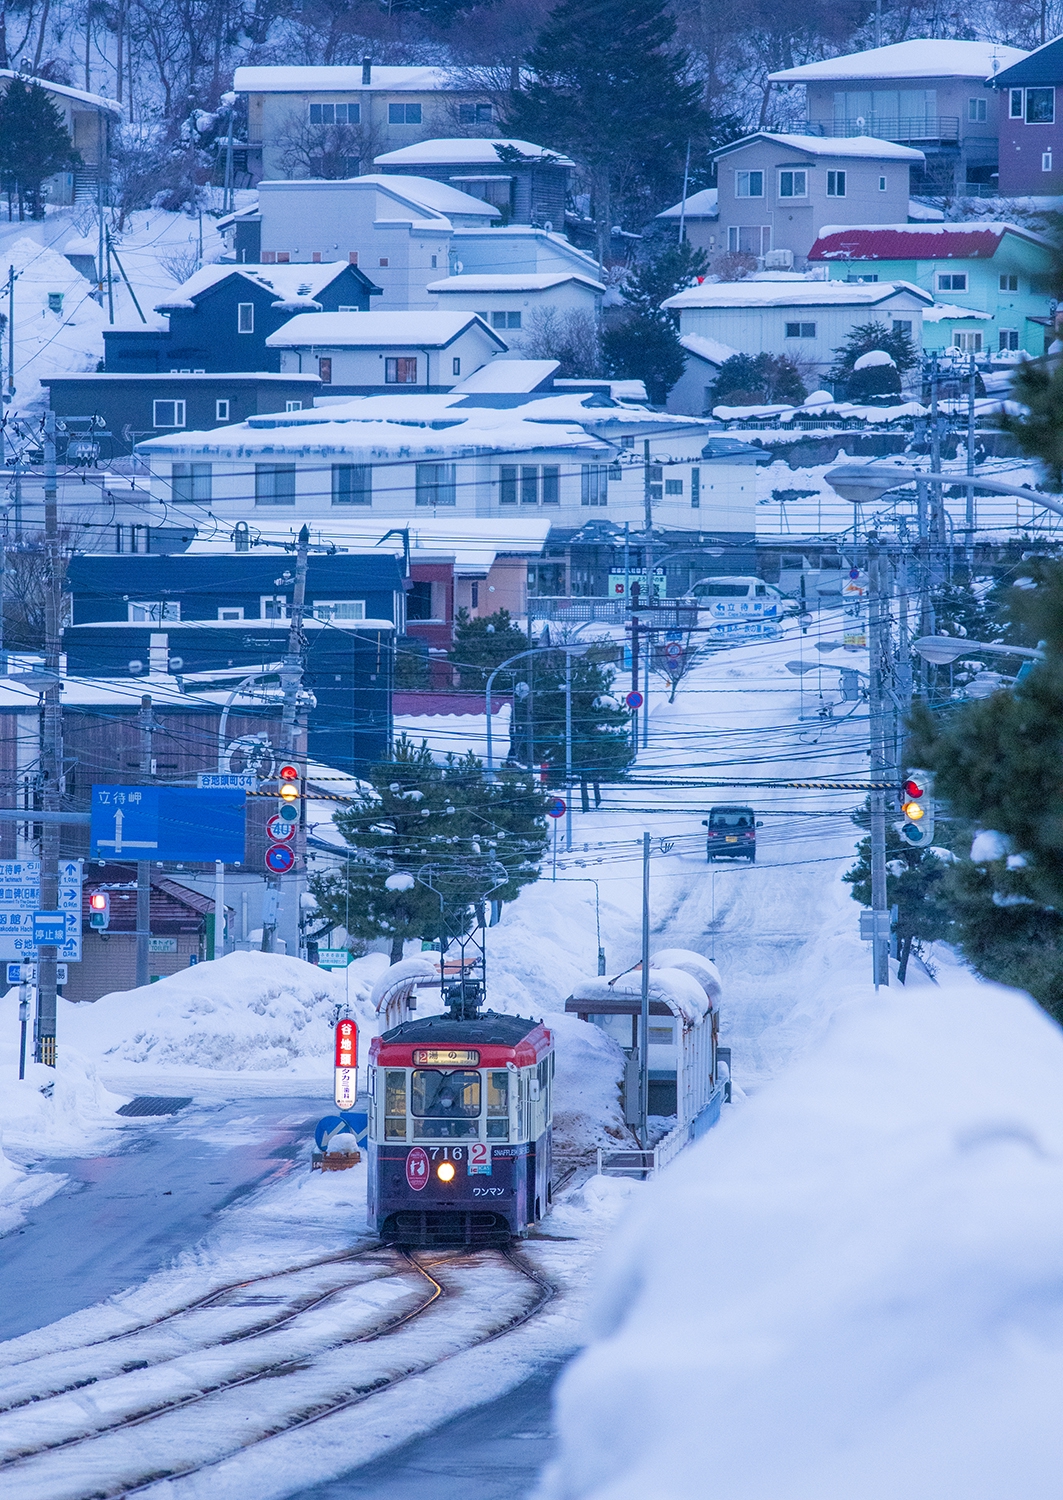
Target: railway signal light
99,910
917,807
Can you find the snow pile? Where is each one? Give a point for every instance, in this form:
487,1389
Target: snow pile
247,1012
852,1286
872,359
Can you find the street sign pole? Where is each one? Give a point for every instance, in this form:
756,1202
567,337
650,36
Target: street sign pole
23,1017
145,725
51,756
293,721
644,1016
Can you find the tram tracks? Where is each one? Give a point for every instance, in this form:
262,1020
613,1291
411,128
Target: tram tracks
114,1437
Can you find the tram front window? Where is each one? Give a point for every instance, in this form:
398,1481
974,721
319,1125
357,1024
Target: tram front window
446,1105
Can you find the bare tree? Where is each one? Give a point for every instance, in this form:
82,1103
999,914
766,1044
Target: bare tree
329,151
570,337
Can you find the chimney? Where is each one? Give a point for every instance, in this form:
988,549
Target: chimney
367,70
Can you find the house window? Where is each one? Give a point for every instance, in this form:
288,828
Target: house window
230,614
55,302
153,611
1040,106
800,330
324,369
474,595
273,607
903,325
749,239
1015,106
529,484
749,184
475,114
352,484
190,484
384,260
168,413
339,609
695,489
882,184
1009,338
976,110
955,281
419,600
245,317
455,365
551,491
436,484
1009,283
293,406
673,486
594,484
335,114
793,184
274,484
404,114
505,320
400,371
1046,161
221,411
835,184
970,343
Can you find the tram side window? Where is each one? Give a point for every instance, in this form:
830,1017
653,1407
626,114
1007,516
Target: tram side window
395,1105
498,1106
446,1104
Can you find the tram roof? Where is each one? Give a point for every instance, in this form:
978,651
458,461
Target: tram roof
488,1030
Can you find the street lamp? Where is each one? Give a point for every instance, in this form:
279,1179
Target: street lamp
942,650
863,484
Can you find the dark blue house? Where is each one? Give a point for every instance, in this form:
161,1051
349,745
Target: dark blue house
220,319
203,620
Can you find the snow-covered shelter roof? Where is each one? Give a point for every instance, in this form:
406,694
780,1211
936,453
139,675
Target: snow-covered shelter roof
509,376
978,241
523,281
865,147
922,57
751,293
677,990
703,347
91,101
341,79
468,150
377,330
703,205
293,284
700,968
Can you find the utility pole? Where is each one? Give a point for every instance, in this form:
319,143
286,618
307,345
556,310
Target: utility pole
145,725
969,516
647,500
228,189
644,1018
568,752
291,675
51,756
635,627
10,333
878,634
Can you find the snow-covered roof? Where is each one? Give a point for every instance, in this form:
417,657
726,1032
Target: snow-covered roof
428,193
923,57
978,241
947,312
703,347
343,80
93,101
540,281
509,376
923,213
1043,65
751,293
474,543
866,147
293,284
684,995
467,150
703,205
377,330
696,964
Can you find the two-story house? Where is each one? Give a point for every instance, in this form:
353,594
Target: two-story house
222,316
989,281
297,114
90,120
1029,95
526,183
398,352
774,191
926,93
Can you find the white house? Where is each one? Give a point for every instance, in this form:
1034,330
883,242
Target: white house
360,353
778,313
517,249
525,182
699,217
571,458
704,358
398,230
521,302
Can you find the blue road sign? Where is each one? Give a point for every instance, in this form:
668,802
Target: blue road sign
557,808
634,699
279,859
168,823
49,927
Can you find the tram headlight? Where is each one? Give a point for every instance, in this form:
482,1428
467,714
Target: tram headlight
445,1171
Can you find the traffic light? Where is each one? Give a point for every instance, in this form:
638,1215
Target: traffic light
290,793
917,805
99,910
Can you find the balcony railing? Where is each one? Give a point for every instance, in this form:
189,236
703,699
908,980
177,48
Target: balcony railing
943,128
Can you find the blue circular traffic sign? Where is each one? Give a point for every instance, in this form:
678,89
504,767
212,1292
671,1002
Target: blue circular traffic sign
633,699
558,808
279,859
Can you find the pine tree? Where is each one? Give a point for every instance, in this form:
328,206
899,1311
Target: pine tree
442,830
601,728
483,644
753,379
34,145
643,342
862,340
606,84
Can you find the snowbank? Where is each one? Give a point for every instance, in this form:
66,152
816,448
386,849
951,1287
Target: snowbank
851,1288
245,1013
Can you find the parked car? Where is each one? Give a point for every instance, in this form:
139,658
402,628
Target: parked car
732,833
737,606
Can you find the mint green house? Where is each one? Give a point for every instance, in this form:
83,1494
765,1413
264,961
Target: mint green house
988,281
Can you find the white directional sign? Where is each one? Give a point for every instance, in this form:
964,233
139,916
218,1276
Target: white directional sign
20,897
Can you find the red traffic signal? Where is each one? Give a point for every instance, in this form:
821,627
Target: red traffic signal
99,910
913,789
288,773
